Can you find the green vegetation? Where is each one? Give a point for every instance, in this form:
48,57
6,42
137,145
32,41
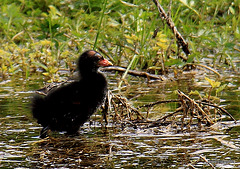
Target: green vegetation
49,35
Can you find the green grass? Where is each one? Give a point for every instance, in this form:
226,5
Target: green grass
49,35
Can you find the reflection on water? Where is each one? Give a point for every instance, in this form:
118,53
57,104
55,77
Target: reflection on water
112,146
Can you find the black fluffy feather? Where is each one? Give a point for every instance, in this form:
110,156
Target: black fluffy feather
66,108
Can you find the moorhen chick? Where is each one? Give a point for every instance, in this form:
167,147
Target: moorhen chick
67,107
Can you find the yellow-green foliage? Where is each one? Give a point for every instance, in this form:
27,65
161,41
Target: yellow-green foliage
49,35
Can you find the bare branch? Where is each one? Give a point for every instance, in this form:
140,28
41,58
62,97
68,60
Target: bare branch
180,40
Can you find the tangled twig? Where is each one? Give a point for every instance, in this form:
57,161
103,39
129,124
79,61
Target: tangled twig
188,110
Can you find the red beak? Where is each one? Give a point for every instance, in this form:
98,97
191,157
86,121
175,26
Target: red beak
104,63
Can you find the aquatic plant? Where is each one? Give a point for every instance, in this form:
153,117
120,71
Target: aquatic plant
128,32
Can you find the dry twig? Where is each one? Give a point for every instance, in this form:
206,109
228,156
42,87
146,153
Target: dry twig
180,40
206,161
134,72
189,109
124,111
200,65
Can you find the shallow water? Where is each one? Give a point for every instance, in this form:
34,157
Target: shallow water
115,146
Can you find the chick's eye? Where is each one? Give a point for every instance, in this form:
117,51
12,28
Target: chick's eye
99,56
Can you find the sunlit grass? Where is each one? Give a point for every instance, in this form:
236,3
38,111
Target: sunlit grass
48,36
